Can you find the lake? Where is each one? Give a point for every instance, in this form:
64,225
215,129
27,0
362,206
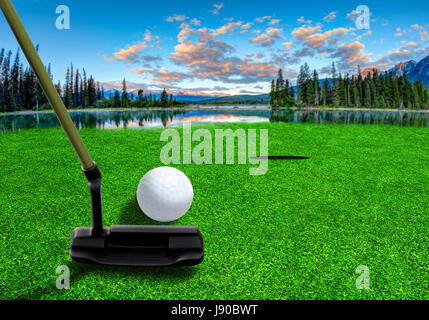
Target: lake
146,118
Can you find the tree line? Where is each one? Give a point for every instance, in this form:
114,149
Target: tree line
20,89
375,90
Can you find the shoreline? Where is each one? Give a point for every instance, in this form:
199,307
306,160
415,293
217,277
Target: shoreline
225,107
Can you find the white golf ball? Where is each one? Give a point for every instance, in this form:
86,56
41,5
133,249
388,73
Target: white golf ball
165,194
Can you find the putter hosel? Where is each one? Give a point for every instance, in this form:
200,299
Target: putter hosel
93,175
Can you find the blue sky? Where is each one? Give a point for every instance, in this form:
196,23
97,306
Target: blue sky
219,47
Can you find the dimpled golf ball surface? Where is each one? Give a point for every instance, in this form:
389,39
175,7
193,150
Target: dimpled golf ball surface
165,194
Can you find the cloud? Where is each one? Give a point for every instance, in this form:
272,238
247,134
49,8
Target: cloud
305,52
313,36
330,17
134,53
201,93
149,58
108,58
215,88
302,20
424,36
256,69
217,8
411,44
231,26
400,33
273,22
213,60
162,76
176,17
275,33
185,32
287,45
209,34
417,27
263,40
353,15
350,55
285,59
262,19
246,27
205,35
267,39
149,37
304,31
316,40
131,53
195,22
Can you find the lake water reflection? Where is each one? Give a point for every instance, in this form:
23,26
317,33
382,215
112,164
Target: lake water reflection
122,119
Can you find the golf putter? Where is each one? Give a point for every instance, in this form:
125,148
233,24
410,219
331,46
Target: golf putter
150,246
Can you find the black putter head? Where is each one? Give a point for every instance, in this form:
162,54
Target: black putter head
144,246
149,246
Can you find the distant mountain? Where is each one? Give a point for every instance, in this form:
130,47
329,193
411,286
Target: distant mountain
403,68
420,71
369,71
414,70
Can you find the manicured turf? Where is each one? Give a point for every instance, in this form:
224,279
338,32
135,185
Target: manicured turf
298,232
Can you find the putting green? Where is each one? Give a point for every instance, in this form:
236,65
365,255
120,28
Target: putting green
298,232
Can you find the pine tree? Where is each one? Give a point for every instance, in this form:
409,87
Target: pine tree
124,98
341,90
76,95
116,99
58,87
316,89
272,97
348,100
355,93
366,93
14,80
6,81
396,94
335,89
325,93
164,98
71,93
92,93
373,90
98,91
305,86
85,100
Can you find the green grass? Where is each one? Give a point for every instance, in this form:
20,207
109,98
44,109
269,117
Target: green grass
298,232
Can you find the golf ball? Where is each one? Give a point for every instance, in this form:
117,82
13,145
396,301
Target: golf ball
165,194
